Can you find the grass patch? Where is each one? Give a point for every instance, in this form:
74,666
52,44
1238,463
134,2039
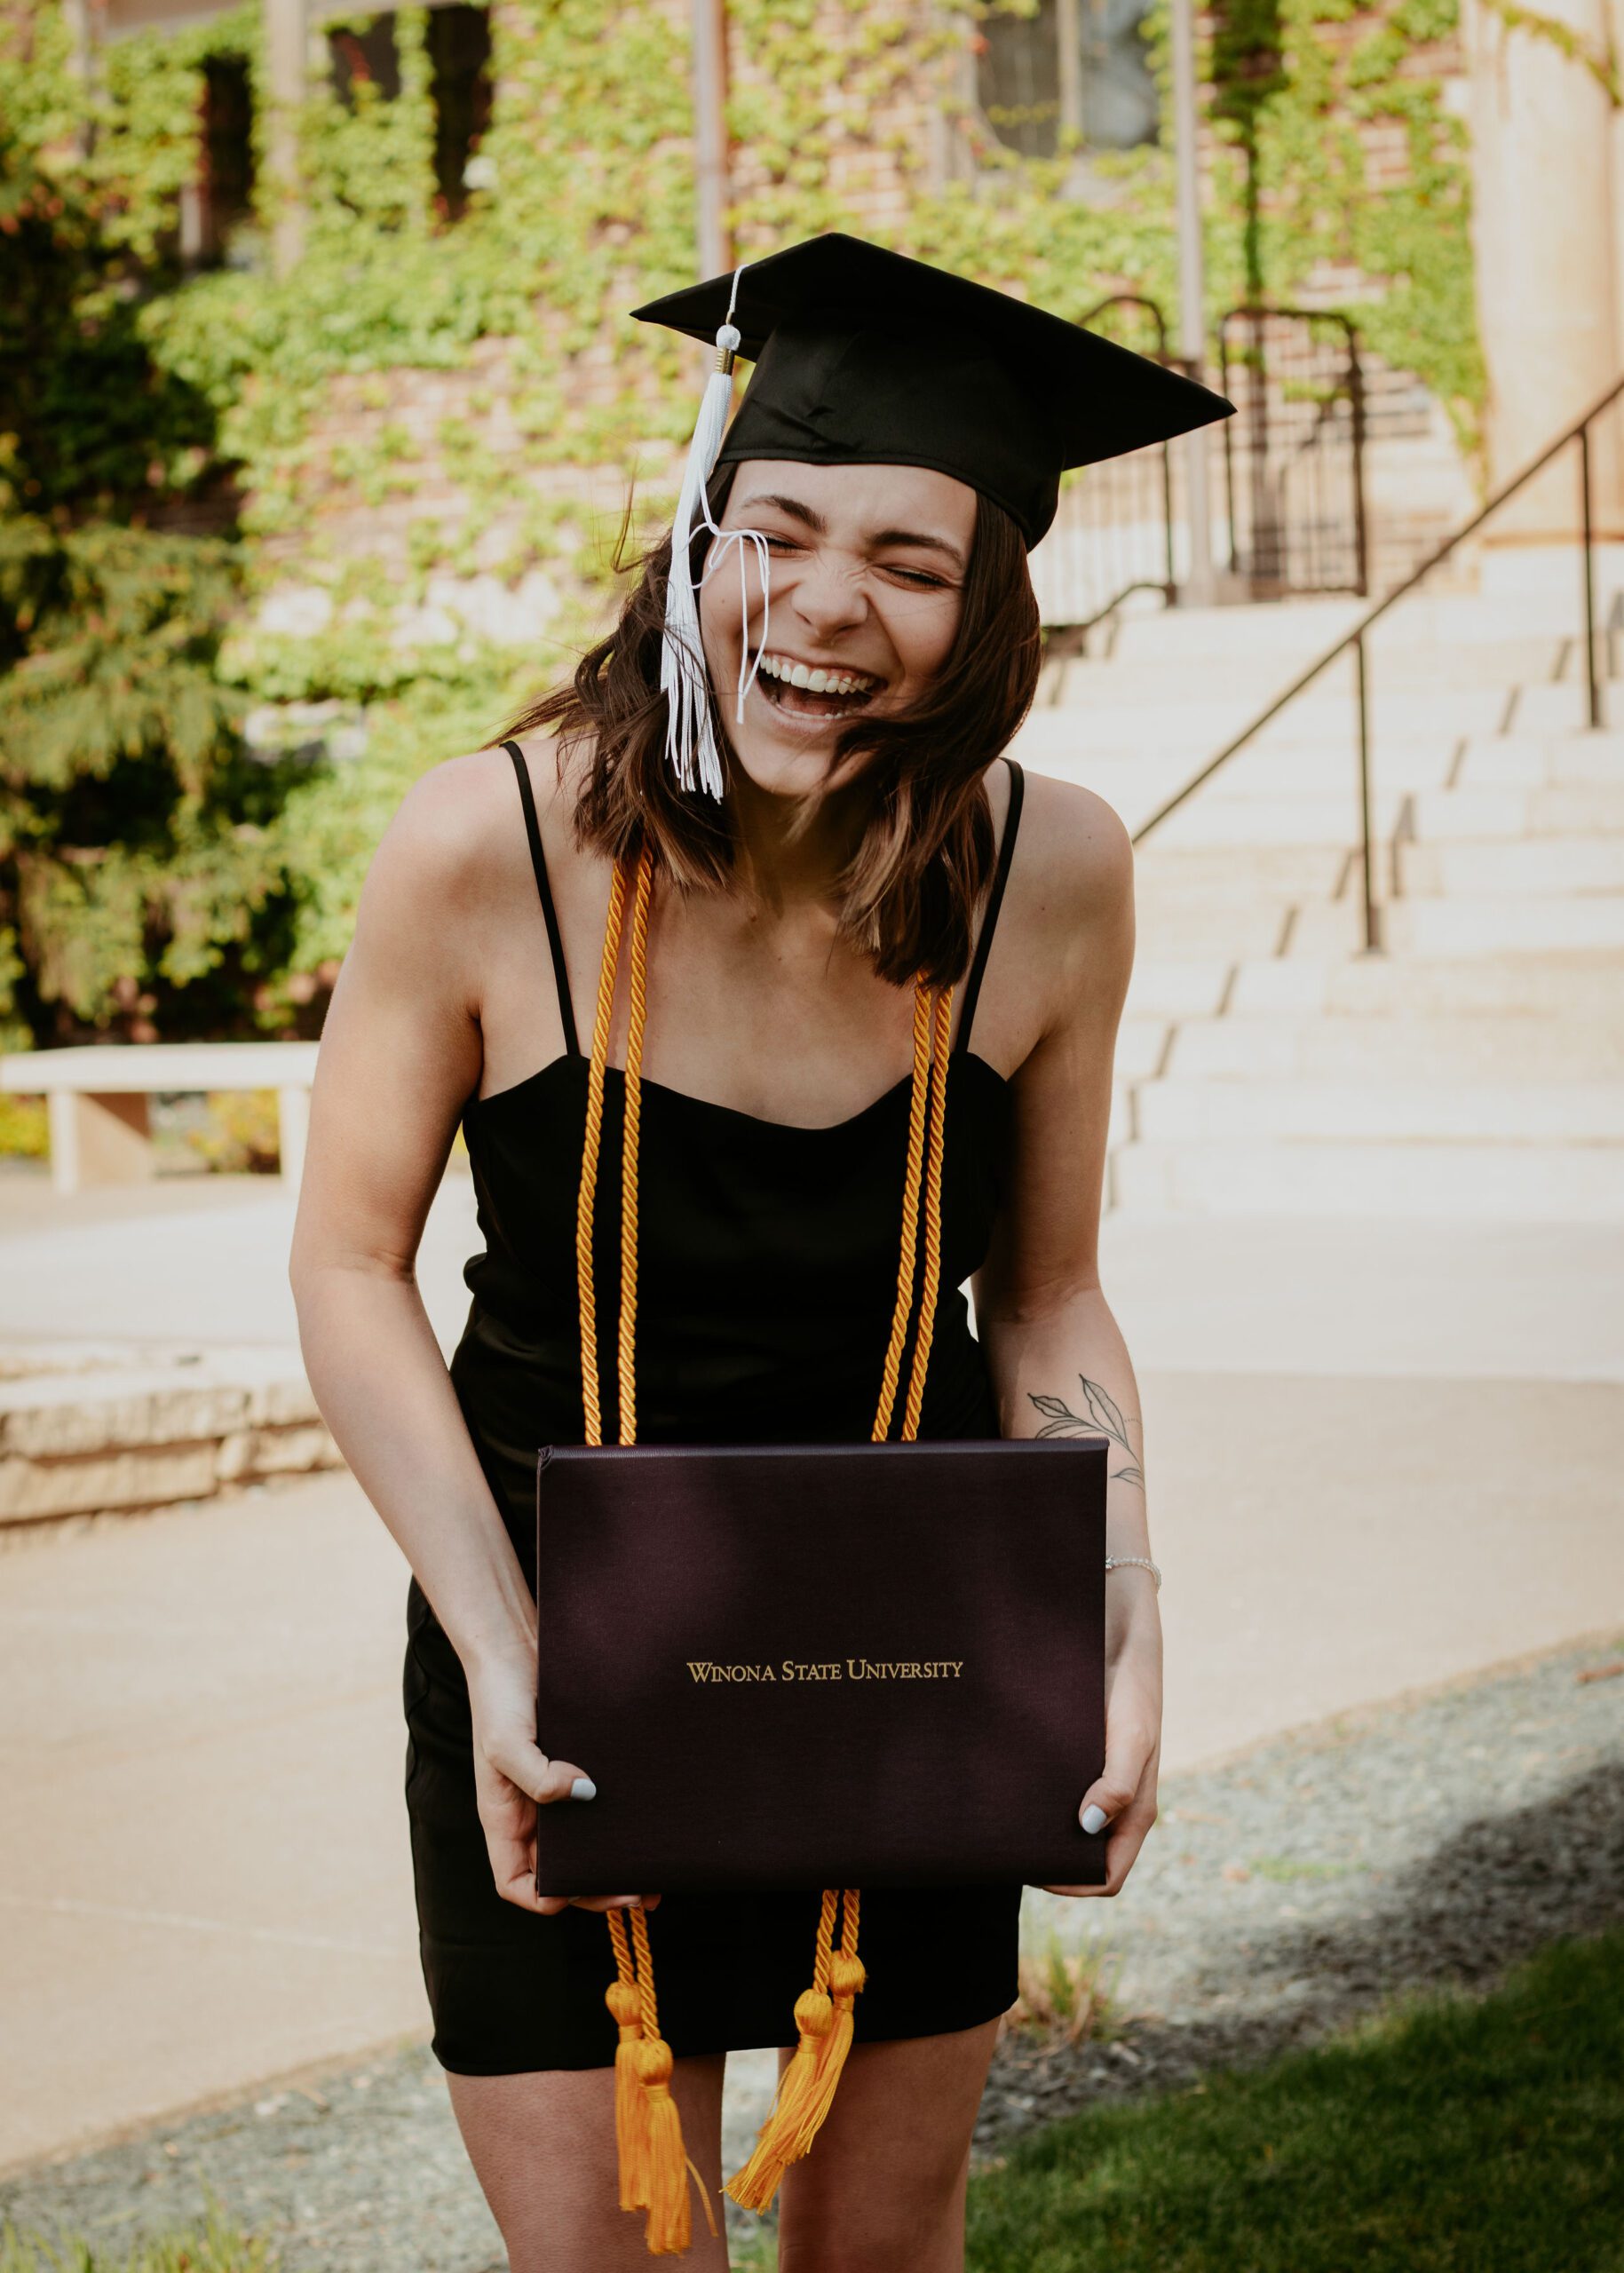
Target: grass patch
1450,2133
216,2246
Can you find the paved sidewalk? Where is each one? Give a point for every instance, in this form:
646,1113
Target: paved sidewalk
1379,1457
206,1258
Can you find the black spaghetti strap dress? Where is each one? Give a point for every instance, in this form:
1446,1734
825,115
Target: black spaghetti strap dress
767,1275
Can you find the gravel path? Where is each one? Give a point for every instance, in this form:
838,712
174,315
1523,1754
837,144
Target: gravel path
1411,1845
1425,1840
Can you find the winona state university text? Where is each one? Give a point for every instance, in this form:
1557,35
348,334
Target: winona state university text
842,1670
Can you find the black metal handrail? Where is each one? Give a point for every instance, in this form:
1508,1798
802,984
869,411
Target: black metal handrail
1580,432
1062,641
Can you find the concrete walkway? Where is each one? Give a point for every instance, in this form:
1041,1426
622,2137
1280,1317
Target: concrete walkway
205,1258
1379,1457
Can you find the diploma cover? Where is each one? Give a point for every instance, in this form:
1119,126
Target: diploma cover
795,1666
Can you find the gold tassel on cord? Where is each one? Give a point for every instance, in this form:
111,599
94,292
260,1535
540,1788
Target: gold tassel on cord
754,2186
670,2226
653,2165
631,2107
847,1975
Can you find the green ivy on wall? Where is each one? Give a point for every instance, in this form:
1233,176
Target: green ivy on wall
586,205
592,205
1293,173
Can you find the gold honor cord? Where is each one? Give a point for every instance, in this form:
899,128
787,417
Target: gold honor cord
653,2165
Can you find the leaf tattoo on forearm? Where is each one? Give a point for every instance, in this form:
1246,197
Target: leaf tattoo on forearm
1104,1418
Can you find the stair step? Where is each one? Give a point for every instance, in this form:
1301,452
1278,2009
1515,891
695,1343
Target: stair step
1297,626
1543,761
1141,1045
1322,716
1173,986
1223,929
1309,795
1532,922
1492,1112
1484,813
1544,707
1164,869
1463,1048
1546,601
1532,1183
1586,988
1579,805
1305,820
1551,866
1522,660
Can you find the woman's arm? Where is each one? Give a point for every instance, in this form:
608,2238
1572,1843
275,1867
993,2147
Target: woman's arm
400,1051
1058,1363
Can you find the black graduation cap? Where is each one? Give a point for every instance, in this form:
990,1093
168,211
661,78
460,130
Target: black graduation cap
863,356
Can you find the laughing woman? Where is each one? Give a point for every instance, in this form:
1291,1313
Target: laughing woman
864,601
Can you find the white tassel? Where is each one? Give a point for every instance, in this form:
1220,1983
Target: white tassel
688,727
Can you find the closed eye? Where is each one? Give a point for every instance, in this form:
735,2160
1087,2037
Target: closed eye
921,579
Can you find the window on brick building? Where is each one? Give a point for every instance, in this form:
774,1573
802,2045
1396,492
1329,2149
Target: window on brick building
1024,92
458,41
1017,80
364,55
212,206
459,52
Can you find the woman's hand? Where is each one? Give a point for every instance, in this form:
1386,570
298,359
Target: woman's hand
513,1776
1124,1794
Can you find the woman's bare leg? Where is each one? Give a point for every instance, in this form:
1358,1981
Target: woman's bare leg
882,2190
542,2148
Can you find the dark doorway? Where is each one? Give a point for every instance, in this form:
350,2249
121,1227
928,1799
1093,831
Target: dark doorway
459,41
227,183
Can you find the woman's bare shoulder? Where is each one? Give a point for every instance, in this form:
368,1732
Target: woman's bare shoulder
449,819
460,827
1076,861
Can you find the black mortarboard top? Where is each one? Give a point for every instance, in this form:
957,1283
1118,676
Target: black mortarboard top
865,357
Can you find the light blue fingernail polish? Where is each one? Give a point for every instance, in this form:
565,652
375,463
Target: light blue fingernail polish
1093,1819
584,1788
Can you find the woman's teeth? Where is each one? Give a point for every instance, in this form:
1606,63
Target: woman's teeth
816,682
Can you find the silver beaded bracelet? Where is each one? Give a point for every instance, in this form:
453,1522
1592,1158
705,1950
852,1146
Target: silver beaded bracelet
1115,1561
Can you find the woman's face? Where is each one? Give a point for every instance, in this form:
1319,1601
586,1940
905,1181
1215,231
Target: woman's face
868,587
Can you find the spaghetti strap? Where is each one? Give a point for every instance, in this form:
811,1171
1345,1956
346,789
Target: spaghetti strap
538,862
1000,877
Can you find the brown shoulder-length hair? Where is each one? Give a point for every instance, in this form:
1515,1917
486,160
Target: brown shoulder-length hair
909,892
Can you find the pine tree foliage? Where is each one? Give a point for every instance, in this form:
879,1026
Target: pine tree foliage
138,857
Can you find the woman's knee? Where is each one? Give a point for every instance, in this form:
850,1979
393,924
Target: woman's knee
542,2148
883,2186
914,2225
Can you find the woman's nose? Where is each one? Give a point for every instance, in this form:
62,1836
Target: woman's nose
829,594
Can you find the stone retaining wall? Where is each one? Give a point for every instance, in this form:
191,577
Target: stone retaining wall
86,1432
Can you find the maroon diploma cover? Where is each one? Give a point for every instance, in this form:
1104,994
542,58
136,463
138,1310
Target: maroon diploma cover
793,1666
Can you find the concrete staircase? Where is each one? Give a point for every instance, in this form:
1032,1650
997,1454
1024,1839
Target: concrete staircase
1267,1064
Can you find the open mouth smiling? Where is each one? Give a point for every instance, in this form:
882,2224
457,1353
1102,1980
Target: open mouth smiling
815,690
